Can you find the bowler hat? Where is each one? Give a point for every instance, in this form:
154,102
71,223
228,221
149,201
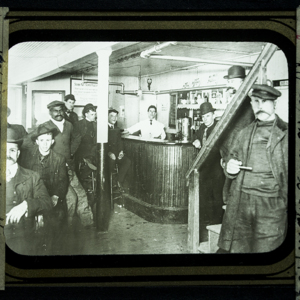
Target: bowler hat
43,129
55,103
70,96
110,110
235,72
205,108
264,91
13,137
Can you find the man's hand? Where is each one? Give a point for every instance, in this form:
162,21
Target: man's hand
111,155
233,166
197,144
54,199
121,155
16,213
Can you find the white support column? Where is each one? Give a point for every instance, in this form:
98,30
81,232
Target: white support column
102,104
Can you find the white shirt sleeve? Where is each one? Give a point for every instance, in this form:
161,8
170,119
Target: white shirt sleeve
134,128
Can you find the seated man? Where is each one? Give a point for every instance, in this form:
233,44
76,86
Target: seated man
115,148
52,169
26,198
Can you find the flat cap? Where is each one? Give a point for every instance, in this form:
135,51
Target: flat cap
55,103
70,96
110,110
264,91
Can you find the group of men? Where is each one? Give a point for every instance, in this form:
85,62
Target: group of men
38,181
41,167
256,166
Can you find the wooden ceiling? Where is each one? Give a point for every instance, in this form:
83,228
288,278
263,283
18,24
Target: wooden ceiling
125,59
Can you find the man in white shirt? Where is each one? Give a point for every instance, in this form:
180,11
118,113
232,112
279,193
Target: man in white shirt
149,128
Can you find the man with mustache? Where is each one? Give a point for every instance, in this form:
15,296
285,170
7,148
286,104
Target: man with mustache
255,219
26,198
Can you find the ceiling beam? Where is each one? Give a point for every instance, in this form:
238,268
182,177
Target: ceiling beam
207,61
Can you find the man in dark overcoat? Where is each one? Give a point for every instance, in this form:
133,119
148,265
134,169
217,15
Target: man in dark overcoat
115,149
85,157
256,214
26,198
69,114
52,169
212,177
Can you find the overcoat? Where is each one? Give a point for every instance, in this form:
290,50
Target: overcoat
277,154
59,180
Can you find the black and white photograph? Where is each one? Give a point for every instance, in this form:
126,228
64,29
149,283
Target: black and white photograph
165,147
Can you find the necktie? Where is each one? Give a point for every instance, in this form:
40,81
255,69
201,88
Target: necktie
204,136
150,122
111,126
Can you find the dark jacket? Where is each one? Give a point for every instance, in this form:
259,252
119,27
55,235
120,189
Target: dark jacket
115,143
59,180
66,142
72,118
29,187
200,132
88,143
277,154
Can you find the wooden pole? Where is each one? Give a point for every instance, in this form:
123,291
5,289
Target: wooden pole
194,213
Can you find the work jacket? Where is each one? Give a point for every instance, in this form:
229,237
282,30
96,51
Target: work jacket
277,154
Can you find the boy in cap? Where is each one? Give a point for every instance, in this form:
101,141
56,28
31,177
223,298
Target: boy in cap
255,219
26,198
69,114
52,169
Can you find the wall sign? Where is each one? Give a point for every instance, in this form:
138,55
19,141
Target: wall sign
84,91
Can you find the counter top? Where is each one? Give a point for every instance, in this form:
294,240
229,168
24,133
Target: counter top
156,141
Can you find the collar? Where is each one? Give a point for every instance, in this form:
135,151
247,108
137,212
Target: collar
60,124
13,171
88,119
111,125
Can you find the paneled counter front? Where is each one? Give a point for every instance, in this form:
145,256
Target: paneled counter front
156,181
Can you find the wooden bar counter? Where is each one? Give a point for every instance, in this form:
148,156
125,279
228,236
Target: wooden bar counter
156,179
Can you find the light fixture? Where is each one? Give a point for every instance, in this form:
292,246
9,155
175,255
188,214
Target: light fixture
149,81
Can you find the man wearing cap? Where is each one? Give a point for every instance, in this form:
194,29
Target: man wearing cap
256,215
115,148
26,198
69,114
149,128
211,190
52,169
68,138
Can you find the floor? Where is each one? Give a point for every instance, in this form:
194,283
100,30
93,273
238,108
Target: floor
127,234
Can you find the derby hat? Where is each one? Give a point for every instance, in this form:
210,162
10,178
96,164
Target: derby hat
236,72
55,103
265,92
110,110
13,137
43,129
205,108
70,97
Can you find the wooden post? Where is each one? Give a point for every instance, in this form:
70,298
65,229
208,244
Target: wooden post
193,213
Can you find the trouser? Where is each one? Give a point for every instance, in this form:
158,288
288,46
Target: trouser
77,203
56,222
123,166
260,225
